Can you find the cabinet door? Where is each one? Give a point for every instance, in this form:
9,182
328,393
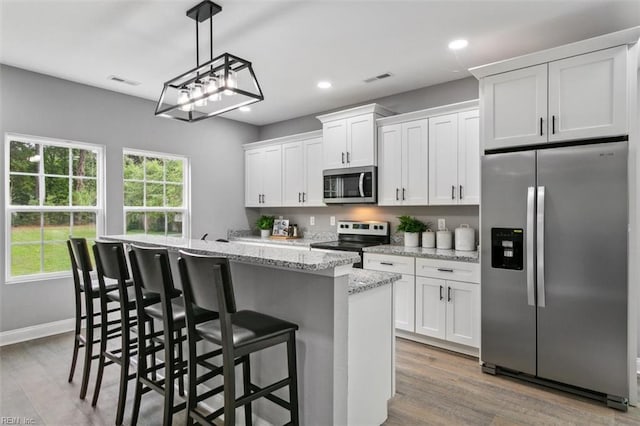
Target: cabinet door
443,159
463,313
334,139
430,307
404,303
361,141
588,95
514,103
390,165
312,191
253,159
272,176
292,173
415,163
469,157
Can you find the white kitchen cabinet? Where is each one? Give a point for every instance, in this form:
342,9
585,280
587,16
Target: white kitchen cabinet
448,301
302,173
403,152
263,176
454,158
581,97
430,307
349,137
403,289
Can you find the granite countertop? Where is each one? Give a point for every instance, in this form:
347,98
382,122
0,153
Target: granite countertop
282,257
431,253
362,280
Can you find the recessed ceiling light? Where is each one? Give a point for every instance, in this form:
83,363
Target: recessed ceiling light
458,44
245,108
324,84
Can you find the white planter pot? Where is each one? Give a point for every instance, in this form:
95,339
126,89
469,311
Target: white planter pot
411,239
265,233
429,239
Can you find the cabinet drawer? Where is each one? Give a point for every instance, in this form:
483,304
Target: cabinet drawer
448,270
388,263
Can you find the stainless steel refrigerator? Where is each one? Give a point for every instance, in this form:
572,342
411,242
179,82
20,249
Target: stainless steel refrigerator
554,267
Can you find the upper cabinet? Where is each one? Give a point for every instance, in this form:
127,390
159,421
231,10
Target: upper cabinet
263,176
284,172
454,158
581,97
349,137
403,160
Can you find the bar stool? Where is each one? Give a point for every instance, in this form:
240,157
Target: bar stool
151,272
206,284
111,263
84,286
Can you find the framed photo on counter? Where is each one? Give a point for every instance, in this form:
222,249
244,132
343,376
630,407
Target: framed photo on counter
280,227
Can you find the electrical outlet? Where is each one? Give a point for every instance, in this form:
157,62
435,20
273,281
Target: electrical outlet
280,217
441,225
312,220
332,221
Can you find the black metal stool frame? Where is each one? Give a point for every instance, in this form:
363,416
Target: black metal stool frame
216,271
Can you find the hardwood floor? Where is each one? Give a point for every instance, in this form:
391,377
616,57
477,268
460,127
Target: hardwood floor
437,387
434,387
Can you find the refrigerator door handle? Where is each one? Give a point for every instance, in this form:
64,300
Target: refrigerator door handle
531,300
540,253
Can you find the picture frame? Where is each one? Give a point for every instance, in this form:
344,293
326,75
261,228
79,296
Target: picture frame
281,227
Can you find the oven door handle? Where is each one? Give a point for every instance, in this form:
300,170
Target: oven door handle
361,184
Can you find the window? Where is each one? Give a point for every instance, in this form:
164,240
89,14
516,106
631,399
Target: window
54,189
156,194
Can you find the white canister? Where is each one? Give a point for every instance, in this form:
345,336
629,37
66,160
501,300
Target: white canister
444,240
411,239
428,239
465,238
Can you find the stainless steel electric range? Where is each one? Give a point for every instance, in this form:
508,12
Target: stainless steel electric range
355,235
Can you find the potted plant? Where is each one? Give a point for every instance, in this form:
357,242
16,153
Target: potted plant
412,228
265,225
428,237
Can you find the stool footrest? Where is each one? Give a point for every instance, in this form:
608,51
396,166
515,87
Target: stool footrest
257,392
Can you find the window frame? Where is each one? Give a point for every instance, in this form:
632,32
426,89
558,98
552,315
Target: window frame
186,190
98,209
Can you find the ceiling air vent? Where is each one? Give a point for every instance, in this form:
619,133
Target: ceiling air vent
378,77
123,80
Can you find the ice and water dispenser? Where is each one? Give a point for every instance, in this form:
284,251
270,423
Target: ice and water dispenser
507,251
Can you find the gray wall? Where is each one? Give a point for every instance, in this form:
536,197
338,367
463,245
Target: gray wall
427,97
39,105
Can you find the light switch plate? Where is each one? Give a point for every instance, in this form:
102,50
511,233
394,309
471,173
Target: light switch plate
441,225
332,221
312,220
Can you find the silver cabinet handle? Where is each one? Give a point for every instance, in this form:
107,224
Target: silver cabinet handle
445,270
461,192
531,301
299,197
453,192
553,124
397,194
303,196
343,158
403,190
259,198
441,297
448,294
540,254
348,160
386,263
540,126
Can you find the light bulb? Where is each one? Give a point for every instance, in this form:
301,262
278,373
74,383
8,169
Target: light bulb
184,101
231,83
196,92
210,88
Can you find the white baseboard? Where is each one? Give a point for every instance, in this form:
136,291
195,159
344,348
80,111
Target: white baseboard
36,331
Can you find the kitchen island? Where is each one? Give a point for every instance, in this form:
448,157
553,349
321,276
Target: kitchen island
345,340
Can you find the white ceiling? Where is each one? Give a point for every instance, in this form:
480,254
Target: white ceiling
294,44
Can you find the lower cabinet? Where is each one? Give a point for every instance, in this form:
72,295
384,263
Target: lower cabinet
436,301
448,310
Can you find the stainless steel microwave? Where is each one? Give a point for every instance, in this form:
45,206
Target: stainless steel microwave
352,185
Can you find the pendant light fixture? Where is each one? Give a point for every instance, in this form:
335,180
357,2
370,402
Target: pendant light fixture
222,84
